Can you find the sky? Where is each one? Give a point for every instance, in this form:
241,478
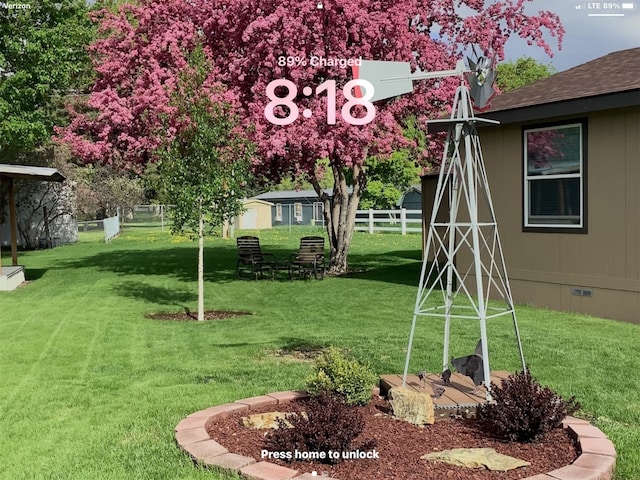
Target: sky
588,34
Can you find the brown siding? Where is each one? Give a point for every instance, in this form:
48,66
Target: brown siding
544,267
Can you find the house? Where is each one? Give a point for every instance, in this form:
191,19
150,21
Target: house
564,173
294,207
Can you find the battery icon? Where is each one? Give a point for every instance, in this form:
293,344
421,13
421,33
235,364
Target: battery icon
628,6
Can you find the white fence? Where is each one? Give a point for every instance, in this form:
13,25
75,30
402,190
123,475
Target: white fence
403,221
147,216
111,227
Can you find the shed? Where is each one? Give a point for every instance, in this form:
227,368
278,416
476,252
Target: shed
257,215
564,170
412,198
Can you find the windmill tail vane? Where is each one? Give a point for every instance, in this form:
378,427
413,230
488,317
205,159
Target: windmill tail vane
390,79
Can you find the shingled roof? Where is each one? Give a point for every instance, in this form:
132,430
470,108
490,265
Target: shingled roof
614,73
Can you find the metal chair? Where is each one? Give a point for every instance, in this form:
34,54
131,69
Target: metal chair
252,259
309,259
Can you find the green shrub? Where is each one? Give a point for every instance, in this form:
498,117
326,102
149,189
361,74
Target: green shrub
523,410
327,425
338,375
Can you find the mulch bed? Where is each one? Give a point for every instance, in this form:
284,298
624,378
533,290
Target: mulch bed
400,446
189,316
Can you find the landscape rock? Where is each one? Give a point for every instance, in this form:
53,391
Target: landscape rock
413,407
260,421
477,458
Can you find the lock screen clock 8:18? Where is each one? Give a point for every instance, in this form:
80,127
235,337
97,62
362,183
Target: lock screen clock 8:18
329,86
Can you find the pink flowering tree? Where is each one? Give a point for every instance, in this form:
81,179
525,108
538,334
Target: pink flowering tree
138,58
252,43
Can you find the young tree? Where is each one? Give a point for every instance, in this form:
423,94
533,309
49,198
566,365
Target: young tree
521,72
204,168
254,43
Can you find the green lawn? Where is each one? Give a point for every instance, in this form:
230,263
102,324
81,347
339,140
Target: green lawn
91,389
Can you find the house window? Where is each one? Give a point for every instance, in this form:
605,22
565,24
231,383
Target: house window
318,210
278,212
555,178
297,212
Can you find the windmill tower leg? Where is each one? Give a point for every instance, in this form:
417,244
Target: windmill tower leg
451,252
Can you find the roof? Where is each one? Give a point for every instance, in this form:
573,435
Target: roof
615,72
413,188
254,200
288,194
27,172
283,195
611,81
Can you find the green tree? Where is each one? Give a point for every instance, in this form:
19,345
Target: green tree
521,72
43,58
204,169
101,191
300,181
387,180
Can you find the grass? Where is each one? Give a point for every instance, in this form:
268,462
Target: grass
91,389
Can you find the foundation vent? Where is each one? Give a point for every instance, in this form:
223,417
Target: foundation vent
582,292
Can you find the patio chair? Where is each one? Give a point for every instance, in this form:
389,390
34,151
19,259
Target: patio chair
252,259
309,259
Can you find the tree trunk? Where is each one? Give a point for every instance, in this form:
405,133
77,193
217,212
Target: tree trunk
201,265
340,214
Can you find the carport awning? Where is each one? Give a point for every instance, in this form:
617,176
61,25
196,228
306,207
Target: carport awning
9,173
26,172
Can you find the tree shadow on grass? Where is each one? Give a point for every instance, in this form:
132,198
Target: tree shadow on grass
177,262
400,267
32,274
292,344
157,295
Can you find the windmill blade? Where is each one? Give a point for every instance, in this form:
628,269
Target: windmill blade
481,80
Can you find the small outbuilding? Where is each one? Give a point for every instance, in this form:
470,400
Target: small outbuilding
257,215
12,276
412,198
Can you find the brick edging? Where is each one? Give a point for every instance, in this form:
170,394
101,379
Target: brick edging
595,462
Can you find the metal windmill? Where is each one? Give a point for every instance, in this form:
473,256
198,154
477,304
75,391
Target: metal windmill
448,290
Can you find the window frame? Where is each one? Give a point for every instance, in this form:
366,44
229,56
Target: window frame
278,216
582,226
298,214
